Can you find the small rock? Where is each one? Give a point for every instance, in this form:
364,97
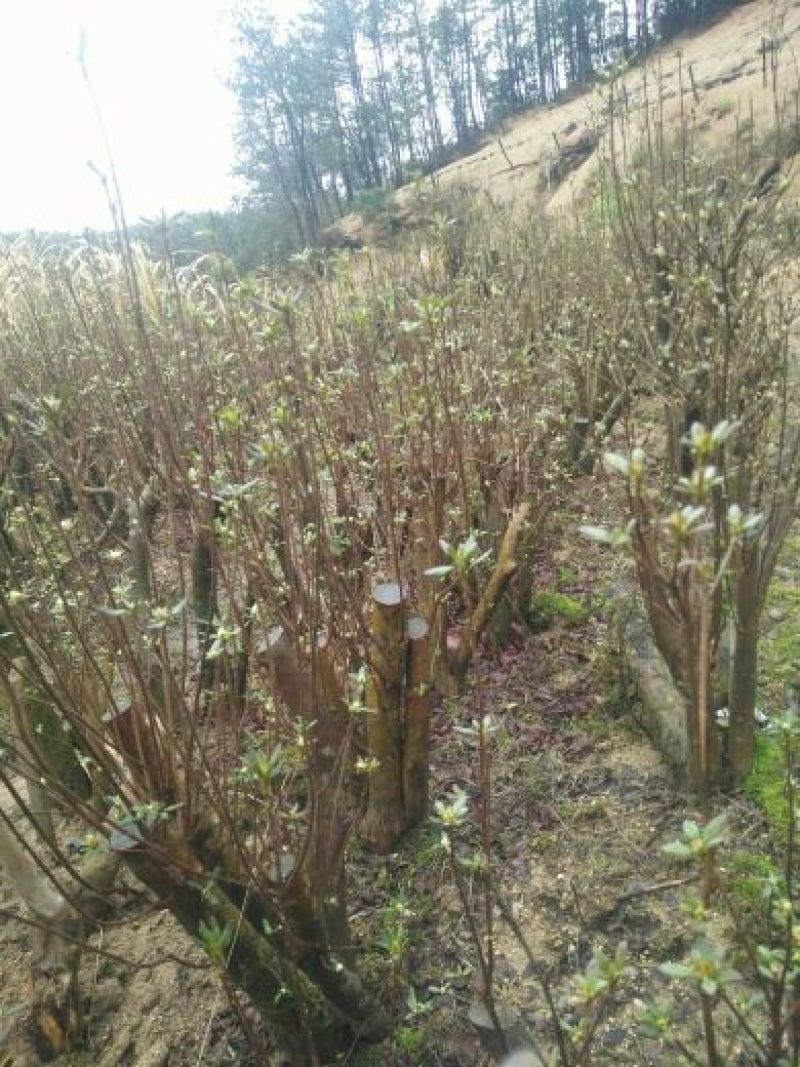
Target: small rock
776,614
522,1058
510,1023
615,1036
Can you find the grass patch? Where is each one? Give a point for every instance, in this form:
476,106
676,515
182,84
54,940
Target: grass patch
747,872
410,1040
779,651
779,665
600,723
726,105
746,876
766,783
567,577
423,847
550,607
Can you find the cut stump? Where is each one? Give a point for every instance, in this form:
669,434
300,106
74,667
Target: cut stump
662,707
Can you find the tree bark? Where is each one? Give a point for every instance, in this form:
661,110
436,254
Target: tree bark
292,1010
311,1004
502,574
664,621
663,706
744,670
48,743
416,743
322,866
385,818
330,784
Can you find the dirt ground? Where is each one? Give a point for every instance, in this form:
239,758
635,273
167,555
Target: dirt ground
150,1000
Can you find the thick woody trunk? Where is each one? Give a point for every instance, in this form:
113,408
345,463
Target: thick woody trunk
663,706
47,744
495,589
743,673
331,801
324,706
677,715
313,1006
281,956
664,621
291,1009
416,743
132,733
704,762
385,818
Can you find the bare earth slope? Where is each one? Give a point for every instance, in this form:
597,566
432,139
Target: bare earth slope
724,88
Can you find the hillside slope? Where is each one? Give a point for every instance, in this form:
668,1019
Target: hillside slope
727,87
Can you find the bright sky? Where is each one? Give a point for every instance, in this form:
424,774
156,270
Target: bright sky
158,68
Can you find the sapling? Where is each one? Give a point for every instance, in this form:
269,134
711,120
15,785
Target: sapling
754,1002
713,310
592,991
685,558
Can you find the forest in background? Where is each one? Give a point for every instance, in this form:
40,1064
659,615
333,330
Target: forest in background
355,98
360,95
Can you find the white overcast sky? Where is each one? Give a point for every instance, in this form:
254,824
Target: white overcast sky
158,67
